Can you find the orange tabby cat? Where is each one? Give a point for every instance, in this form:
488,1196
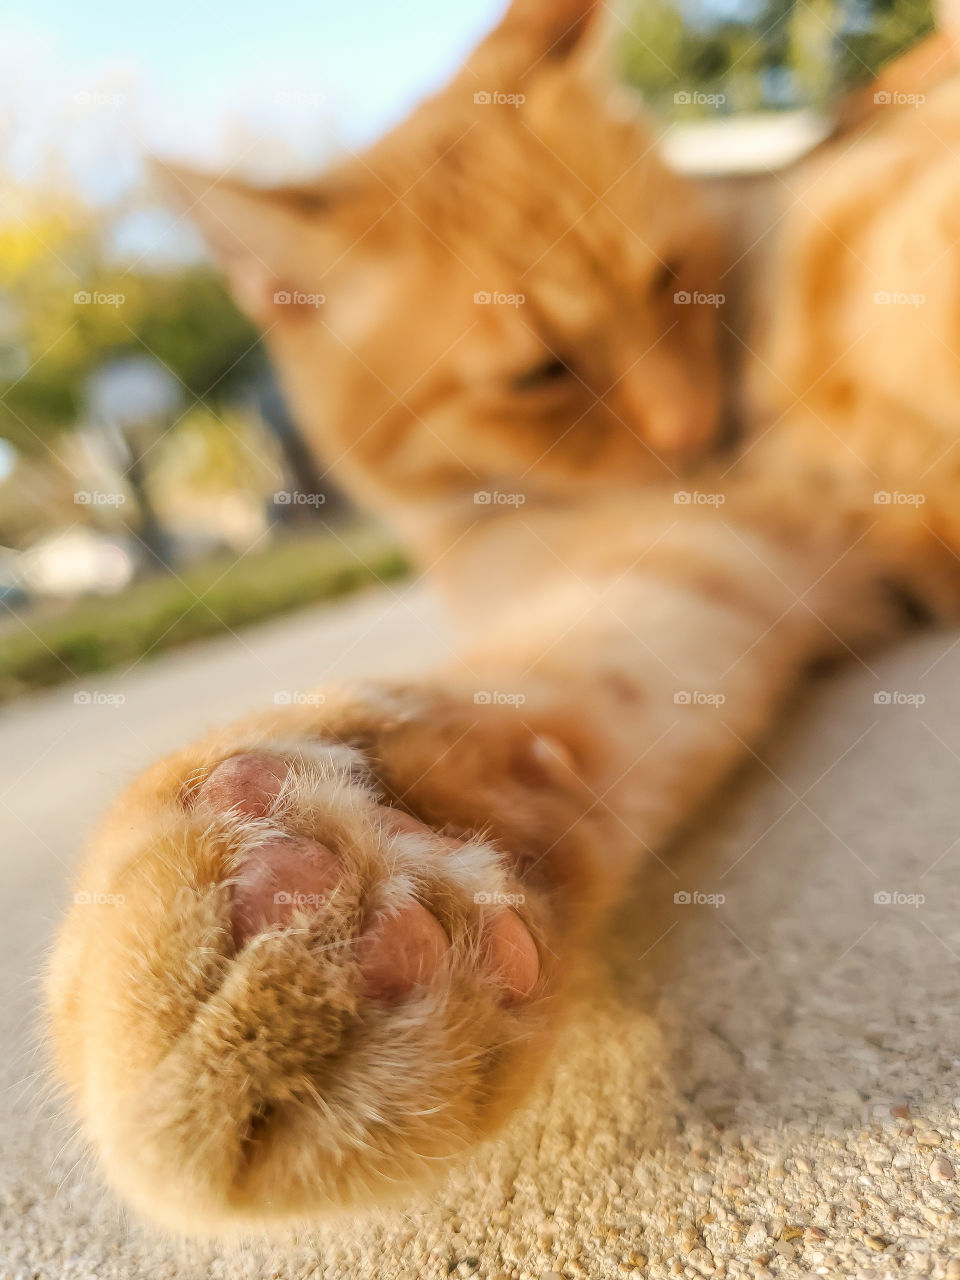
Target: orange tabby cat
349,931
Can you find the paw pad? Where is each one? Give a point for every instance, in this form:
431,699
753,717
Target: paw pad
247,784
400,950
281,876
286,874
513,954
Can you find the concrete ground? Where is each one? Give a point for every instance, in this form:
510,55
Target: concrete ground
765,1084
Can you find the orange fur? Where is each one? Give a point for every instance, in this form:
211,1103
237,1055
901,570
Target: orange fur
416,393
643,638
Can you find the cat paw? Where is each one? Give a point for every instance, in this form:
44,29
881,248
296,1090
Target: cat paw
294,996
401,944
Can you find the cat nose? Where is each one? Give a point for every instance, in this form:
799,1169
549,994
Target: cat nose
663,406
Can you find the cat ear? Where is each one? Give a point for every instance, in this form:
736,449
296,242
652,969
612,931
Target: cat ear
271,242
556,27
537,32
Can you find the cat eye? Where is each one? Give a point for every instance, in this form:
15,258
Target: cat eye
546,374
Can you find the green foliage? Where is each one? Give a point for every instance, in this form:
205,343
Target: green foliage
53,342
161,612
896,26
193,327
763,56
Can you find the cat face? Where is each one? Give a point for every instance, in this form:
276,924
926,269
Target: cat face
494,295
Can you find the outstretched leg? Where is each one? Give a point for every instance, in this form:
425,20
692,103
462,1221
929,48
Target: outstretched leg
321,953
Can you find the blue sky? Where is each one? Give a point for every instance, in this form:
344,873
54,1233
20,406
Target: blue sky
370,57
193,73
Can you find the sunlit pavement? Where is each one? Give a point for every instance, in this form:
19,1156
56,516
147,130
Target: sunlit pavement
773,1070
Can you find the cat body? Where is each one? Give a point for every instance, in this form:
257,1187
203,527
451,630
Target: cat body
351,930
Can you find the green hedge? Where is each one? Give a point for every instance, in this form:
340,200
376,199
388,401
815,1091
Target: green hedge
158,613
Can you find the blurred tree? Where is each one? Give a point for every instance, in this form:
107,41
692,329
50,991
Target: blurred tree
751,55
870,34
78,319
67,308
